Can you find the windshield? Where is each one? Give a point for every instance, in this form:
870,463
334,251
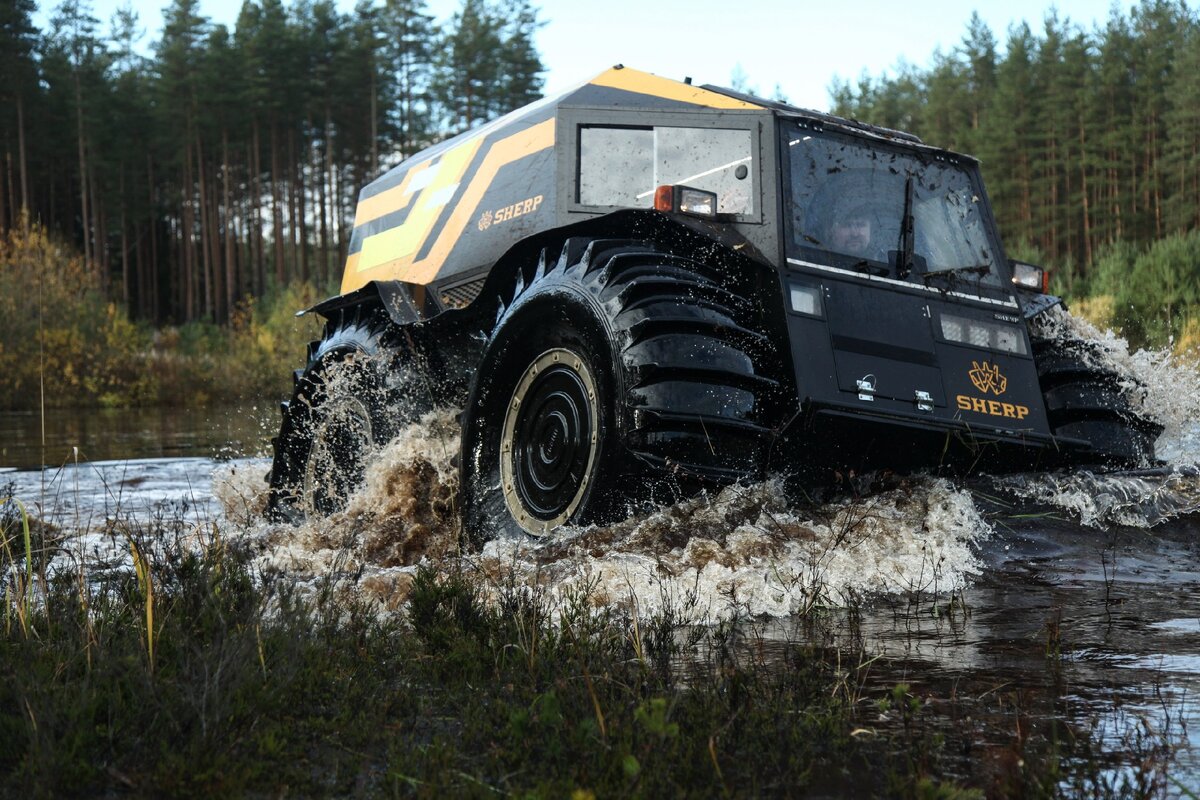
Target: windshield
850,200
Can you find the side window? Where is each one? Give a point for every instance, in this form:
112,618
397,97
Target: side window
622,166
616,166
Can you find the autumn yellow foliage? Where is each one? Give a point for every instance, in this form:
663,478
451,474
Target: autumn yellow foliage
63,342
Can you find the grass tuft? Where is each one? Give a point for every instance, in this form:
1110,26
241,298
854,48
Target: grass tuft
194,676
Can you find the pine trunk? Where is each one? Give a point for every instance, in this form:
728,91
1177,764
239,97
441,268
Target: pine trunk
14,212
231,292
83,192
154,294
185,237
276,211
327,199
6,192
260,268
301,166
1083,192
21,162
206,253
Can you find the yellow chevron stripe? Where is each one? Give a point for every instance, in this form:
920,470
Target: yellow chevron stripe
505,151
632,80
386,202
385,253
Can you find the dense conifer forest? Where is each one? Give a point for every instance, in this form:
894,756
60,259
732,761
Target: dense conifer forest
226,164
170,201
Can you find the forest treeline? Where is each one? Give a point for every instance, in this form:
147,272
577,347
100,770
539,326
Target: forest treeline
227,163
1089,138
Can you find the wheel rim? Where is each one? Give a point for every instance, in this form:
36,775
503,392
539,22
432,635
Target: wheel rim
548,444
336,463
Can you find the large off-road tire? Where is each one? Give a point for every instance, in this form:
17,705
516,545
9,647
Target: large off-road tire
1086,400
341,410
618,367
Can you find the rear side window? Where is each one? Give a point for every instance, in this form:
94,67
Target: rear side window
622,166
616,166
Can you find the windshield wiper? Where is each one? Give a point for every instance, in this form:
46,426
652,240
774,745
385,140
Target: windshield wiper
871,268
906,232
956,272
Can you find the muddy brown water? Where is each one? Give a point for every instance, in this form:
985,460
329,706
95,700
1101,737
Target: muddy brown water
1096,626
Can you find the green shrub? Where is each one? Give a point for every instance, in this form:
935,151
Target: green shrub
1156,296
58,333
61,337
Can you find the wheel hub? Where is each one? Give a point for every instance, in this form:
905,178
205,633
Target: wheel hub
548,444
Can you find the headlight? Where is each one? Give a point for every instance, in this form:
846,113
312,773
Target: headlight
1028,276
977,333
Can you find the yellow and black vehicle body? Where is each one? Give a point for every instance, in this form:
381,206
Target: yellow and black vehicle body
641,281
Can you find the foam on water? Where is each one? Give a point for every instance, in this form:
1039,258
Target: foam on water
1099,501
745,550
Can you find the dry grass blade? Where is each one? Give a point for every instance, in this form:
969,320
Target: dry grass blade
141,568
24,585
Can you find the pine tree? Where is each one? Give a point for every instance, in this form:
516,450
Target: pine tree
18,86
467,78
408,35
1182,157
520,80
82,59
978,51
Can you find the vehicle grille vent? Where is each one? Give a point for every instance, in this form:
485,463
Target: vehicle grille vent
463,294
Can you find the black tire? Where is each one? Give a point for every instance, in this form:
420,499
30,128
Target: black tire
341,410
1085,400
680,395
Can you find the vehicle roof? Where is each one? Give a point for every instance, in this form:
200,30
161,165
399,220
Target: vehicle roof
622,87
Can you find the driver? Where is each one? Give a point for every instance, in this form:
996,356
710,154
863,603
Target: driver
850,233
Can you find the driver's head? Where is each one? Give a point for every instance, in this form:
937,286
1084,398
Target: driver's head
850,232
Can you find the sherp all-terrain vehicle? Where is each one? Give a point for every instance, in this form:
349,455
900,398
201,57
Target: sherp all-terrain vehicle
643,283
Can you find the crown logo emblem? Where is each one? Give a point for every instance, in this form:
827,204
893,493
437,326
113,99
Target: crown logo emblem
987,378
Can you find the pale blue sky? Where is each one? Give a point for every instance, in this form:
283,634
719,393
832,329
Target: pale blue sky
798,44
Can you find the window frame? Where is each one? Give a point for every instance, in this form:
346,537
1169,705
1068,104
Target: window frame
571,121
969,167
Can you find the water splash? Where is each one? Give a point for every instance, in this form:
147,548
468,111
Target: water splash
746,550
1098,501
749,551
1161,385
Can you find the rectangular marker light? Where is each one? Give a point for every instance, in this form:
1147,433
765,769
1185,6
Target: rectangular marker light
805,299
977,333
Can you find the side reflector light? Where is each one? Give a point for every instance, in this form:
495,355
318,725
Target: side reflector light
1028,276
